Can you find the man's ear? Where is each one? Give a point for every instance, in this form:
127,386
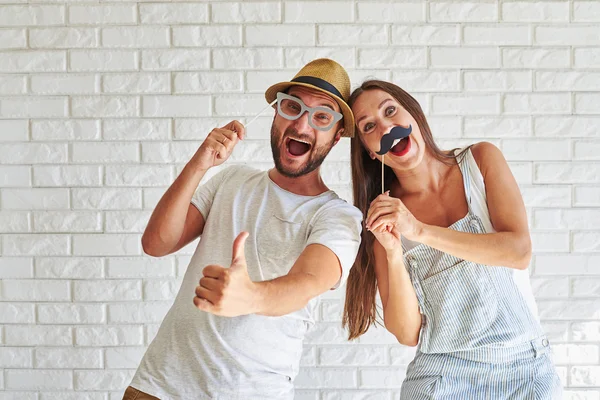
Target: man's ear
338,136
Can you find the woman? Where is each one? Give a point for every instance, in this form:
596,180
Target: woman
447,246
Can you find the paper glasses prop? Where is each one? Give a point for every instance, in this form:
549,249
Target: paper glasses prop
292,108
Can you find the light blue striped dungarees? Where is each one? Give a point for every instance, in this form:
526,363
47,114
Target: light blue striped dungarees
478,339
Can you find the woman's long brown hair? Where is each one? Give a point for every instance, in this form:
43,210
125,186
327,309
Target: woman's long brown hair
360,310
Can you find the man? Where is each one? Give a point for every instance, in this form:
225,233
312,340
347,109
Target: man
271,242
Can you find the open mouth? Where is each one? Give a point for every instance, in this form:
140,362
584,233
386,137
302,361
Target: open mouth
401,146
296,147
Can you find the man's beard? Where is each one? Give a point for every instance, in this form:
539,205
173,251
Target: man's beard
315,159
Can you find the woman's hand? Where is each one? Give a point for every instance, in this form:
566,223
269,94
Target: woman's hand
389,220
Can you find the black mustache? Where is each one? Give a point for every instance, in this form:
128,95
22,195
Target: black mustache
387,140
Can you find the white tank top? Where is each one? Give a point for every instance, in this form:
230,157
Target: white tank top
479,208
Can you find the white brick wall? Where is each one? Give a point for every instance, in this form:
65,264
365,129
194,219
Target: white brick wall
102,104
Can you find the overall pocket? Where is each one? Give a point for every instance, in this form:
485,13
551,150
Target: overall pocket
463,306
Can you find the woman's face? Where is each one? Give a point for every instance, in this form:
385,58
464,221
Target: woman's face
376,112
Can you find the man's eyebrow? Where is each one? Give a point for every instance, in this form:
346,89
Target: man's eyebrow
380,105
328,105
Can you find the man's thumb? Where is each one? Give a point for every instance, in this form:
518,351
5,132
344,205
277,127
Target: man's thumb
239,243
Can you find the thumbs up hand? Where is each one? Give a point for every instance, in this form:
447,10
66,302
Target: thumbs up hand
228,292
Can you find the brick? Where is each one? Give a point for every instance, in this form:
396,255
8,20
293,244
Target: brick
39,379
69,267
136,129
535,150
63,38
259,12
207,36
102,380
69,175
566,35
65,130
567,81
312,378
538,58
90,14
573,172
173,13
537,11
456,104
100,336
464,57
67,358
135,36
565,126
103,60
146,312
391,12
143,83
425,35
16,313
34,199
102,153
537,103
209,82
11,15
145,175
247,58
36,245
176,106
107,291
105,106
279,35
353,35
106,245
13,176
496,35
33,61
392,58
126,221
497,81
462,12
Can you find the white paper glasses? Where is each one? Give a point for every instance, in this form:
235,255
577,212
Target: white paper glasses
320,118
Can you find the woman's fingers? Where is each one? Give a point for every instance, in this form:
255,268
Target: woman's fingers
377,212
383,221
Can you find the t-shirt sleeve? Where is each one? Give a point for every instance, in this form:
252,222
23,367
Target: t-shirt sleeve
339,229
205,193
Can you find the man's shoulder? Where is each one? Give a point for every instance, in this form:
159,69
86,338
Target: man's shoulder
337,208
241,172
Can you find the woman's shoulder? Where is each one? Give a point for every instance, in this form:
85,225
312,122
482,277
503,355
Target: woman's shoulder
486,155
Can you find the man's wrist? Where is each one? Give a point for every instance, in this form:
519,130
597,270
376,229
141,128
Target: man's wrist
258,298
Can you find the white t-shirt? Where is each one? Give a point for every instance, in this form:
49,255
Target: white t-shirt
198,355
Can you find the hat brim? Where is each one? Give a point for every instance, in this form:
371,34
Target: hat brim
271,95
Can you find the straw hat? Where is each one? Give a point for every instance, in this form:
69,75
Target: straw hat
326,76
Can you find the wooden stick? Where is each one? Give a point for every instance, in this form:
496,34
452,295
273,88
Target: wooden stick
261,111
382,167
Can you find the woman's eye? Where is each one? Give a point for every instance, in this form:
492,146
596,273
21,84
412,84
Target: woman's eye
368,127
389,111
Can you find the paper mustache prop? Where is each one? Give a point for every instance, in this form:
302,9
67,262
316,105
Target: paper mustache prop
387,140
386,144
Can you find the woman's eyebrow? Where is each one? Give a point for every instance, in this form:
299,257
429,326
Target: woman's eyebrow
380,105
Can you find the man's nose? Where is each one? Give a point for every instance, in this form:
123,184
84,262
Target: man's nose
301,124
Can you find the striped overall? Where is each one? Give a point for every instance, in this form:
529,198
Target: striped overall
478,339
